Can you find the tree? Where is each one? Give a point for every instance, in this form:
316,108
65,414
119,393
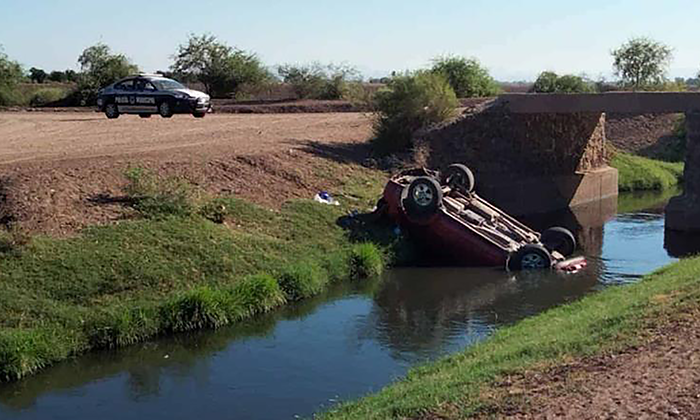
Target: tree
546,83
57,76
10,75
642,62
37,75
550,82
222,69
99,68
466,76
10,72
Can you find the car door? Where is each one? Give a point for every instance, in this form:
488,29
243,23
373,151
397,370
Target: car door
124,95
145,96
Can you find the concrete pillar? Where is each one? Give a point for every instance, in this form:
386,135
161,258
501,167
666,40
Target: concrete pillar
683,212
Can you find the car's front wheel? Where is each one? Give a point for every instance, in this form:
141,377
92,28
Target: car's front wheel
111,111
165,109
529,257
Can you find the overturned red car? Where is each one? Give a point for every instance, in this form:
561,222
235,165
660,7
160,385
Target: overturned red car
444,212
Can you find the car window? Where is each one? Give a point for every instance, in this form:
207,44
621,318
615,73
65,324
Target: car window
145,85
126,85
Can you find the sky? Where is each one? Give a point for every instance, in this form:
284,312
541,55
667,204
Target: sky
515,40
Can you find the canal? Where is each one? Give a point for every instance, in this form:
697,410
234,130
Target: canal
353,340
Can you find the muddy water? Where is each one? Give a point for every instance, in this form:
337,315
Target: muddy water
351,341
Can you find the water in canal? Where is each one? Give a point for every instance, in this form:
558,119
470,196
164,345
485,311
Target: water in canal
353,340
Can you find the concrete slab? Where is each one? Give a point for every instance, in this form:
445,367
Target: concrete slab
624,102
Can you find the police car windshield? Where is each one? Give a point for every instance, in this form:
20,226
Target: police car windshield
167,84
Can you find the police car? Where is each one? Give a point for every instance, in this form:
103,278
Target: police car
146,95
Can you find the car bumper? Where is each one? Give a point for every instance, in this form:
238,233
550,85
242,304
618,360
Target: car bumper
192,105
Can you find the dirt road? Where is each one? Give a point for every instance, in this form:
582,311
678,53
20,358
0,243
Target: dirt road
60,172
59,136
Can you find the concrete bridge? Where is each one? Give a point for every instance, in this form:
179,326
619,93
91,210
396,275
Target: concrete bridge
541,152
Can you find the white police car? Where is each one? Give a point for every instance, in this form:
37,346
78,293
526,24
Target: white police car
146,95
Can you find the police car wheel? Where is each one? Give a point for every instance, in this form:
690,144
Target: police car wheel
111,111
199,114
165,110
145,115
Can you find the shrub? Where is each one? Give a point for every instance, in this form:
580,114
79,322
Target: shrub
550,82
466,76
303,280
366,261
46,96
154,196
317,81
410,102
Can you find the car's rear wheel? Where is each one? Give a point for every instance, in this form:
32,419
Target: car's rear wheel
145,115
459,177
165,109
559,239
529,257
111,111
199,114
422,198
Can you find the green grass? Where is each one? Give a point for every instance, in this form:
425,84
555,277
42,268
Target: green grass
638,173
184,265
612,319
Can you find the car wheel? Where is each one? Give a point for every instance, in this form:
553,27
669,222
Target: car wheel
529,257
559,239
199,114
459,177
145,115
111,111
422,198
165,109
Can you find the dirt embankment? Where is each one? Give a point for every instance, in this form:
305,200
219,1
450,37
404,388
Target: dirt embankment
641,134
657,380
61,172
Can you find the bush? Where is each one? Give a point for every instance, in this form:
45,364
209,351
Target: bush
317,81
366,261
466,76
550,82
409,103
46,96
154,196
303,280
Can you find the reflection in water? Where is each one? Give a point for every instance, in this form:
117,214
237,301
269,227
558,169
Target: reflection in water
352,340
682,244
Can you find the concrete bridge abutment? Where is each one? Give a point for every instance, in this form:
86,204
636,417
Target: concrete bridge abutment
683,212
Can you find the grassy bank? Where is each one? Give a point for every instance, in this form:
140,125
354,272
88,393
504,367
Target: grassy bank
36,94
183,264
455,387
638,173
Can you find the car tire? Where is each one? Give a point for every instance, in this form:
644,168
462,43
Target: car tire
199,114
559,239
165,109
422,198
145,115
529,257
459,177
111,111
